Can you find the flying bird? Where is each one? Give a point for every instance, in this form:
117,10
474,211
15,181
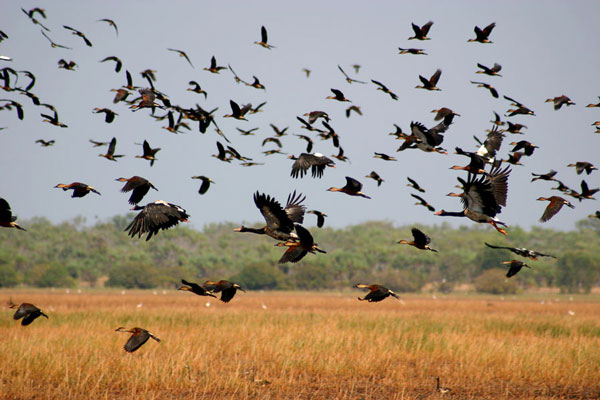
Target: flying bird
7,220
205,183
155,216
80,34
264,39
521,251
138,186
384,89
316,162
200,290
182,54
138,337
376,292
79,189
421,32
431,83
300,247
110,154
482,35
320,217
352,188
515,267
556,203
226,288
27,311
111,23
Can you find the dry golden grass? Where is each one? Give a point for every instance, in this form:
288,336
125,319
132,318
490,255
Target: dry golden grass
301,346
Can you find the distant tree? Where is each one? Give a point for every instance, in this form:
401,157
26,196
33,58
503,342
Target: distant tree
133,275
51,275
258,276
8,276
577,271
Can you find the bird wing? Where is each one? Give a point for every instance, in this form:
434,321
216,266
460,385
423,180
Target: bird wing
263,34
294,209
273,213
552,209
112,146
136,341
353,184
420,237
435,77
425,28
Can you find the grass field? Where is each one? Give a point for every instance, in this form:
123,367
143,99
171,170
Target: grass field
300,346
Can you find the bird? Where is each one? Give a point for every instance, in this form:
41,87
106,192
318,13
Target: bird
560,101
222,154
314,115
421,32
121,95
412,51
581,166
18,107
489,87
307,72
376,292
354,108
7,220
520,109
118,62
53,120
274,140
586,192
340,155
110,154
320,217
214,68
237,112
549,176
78,33
148,152
27,311
556,203
137,339
482,35
155,216
521,251
300,247
596,104
348,79
423,202
384,157
200,290
182,54
316,162
514,158
442,113
257,85
226,288
97,143
430,84
375,176
109,115
438,388
309,142
45,143
384,89
476,165
279,132
69,66
147,101
595,215
205,183
139,187
111,23
528,147
412,183
196,88
420,240
352,188
247,132
54,44
339,96
514,127
515,267
79,189
279,221
493,71
263,39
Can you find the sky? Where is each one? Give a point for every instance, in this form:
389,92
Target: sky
546,48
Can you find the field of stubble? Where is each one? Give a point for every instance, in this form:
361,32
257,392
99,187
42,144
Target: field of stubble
300,346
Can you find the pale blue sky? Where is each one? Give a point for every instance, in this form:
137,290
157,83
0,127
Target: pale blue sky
546,48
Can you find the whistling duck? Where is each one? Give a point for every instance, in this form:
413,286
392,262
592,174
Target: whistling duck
376,292
111,150
356,67
213,66
309,142
147,101
515,266
227,289
222,155
149,152
140,186
314,115
340,155
483,197
80,34
412,51
549,176
561,187
200,290
339,96
263,39
519,110
69,66
53,120
514,128
375,176
205,183
54,44
475,166
354,108
307,72
79,189
482,35
111,23
19,108
427,140
420,240
412,183
595,215
586,192
316,162
493,71
121,95
320,217
430,84
280,221
594,105
45,143
182,54
272,140
237,112
352,188
384,157
137,339
514,158
423,202
525,145
556,203
581,166
196,88
155,216
421,32
384,89
489,87
348,79
27,311
117,60
257,85
247,132
560,101
443,113
297,249
521,251
7,220
109,115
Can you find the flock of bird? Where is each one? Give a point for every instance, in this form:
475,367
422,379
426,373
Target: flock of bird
484,189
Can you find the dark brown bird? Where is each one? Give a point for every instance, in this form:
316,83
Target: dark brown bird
528,147
247,132
184,55
514,128
79,189
586,192
147,101
420,240
489,87
256,84
581,166
237,112
523,252
148,152
421,32
595,215
423,202
375,176
412,183
309,142
384,89
27,311
376,292
196,88
412,51
7,220
482,35
352,188
556,203
320,217
111,23
348,79
98,144
155,216
549,176
442,113
314,115
118,62
316,162
431,83
54,44
340,155
110,154
45,143
109,115
263,39
121,95
69,66
594,105
226,288
475,166
200,290
279,221
491,71
354,108
214,68
300,247
80,34
514,158
560,101
53,120
515,266
338,95
384,157
137,339
520,109
205,183
140,186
